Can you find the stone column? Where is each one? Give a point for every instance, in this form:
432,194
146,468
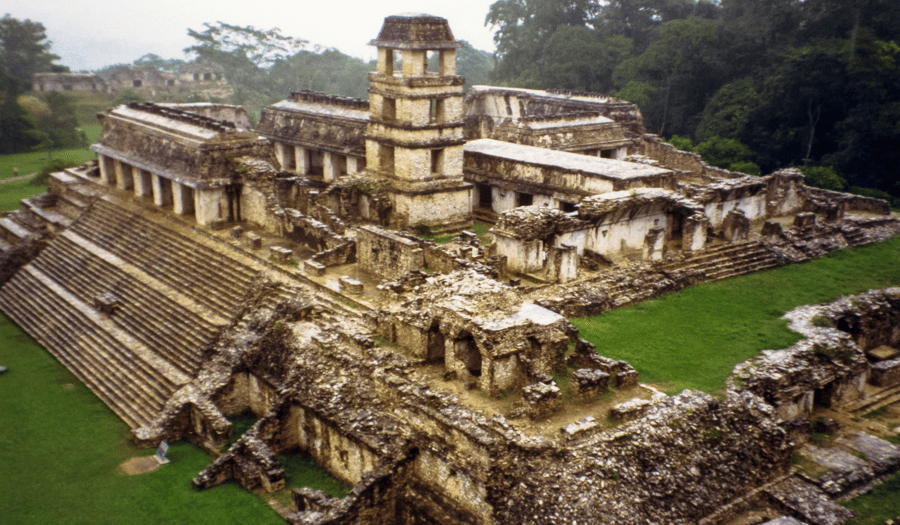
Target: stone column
301,156
107,169
182,198
207,205
279,155
124,176
352,166
693,233
143,183
329,166
655,244
162,191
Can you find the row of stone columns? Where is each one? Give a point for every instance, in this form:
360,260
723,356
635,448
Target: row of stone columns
164,192
299,160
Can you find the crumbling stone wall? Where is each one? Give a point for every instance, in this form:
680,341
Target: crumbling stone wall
388,253
828,367
689,455
818,196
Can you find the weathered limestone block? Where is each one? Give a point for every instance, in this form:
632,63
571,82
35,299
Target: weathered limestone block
562,264
253,240
351,285
498,263
583,428
587,383
883,353
541,400
885,373
627,376
805,220
106,303
772,229
586,356
387,253
280,253
313,268
736,226
693,233
630,410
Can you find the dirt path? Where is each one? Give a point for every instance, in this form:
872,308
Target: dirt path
20,177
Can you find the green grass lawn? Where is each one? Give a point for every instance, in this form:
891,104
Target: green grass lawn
693,338
878,505
12,192
60,448
32,162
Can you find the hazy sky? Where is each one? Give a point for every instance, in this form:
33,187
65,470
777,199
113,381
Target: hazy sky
91,34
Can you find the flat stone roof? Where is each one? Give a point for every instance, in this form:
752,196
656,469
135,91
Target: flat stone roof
481,89
322,109
181,127
600,167
563,122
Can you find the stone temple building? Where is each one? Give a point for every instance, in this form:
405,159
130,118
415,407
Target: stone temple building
200,268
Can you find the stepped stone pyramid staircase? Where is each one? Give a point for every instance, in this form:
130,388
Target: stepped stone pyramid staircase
168,297
728,260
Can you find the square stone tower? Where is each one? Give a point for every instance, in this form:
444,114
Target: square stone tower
414,139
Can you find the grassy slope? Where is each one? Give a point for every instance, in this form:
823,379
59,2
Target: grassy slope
60,449
693,338
12,192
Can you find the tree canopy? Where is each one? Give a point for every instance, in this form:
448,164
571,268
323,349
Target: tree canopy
798,82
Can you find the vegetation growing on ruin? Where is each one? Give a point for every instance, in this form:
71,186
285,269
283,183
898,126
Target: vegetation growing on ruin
693,338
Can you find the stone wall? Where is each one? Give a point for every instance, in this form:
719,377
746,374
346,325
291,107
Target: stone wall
828,367
852,202
387,253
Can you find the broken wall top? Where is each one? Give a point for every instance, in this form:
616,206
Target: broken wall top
317,120
541,222
415,31
540,103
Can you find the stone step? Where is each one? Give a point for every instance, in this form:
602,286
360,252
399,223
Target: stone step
12,231
231,268
146,314
133,388
208,284
51,218
885,397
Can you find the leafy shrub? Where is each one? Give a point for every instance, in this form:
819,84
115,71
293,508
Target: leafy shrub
823,177
43,176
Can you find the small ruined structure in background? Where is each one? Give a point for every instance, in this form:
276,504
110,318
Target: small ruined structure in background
318,271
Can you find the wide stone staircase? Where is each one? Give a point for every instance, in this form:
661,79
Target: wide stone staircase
727,260
128,304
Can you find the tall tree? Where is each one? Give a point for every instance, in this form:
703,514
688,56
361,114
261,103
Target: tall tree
245,55
681,66
24,49
524,27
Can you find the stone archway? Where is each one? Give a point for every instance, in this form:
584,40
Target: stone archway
467,351
435,349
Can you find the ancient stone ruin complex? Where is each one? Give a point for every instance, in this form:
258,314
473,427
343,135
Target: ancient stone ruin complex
199,268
